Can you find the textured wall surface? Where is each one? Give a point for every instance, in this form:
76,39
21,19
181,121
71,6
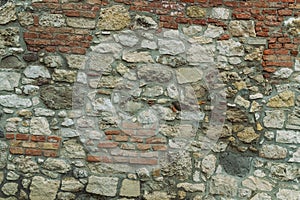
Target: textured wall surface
154,100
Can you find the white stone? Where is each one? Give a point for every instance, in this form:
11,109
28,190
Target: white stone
297,64
208,165
57,165
100,62
108,47
148,44
213,31
224,185
134,57
188,75
127,38
44,112
71,185
274,119
189,187
106,186
289,194
39,126
36,71
230,48
130,188
273,151
14,101
288,136
30,89
242,102
171,47
77,22
283,73
220,13
9,80
192,30
76,61
255,183
198,53
43,189
10,189
296,156
54,20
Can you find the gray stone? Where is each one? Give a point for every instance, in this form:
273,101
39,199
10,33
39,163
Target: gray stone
57,97
242,102
157,195
288,136
53,61
200,53
242,28
26,165
260,196
144,22
130,188
134,57
43,112
200,40
295,156
289,194
273,151
1,176
106,186
148,44
188,75
3,154
71,185
25,18
274,119
236,115
39,126
189,187
57,165
12,176
66,196
54,20
256,183
283,171
36,71
171,47
293,25
235,164
154,73
213,31
283,73
223,185
72,149
230,48
113,18
220,13
76,61
109,47
80,173
208,165
80,22
68,76
153,91
192,30
127,38
100,62
257,41
43,189
7,13
14,101
9,80
10,189
30,89
173,61
11,62
10,37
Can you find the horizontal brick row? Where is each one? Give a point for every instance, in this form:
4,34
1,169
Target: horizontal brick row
33,145
123,159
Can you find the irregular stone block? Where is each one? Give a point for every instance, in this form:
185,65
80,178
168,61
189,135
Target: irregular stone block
242,28
223,185
274,119
171,47
273,152
114,18
235,164
14,101
9,80
256,183
36,71
220,13
64,75
130,188
288,136
283,99
133,57
57,97
39,126
200,54
10,37
52,20
7,13
77,22
196,11
43,189
230,48
106,186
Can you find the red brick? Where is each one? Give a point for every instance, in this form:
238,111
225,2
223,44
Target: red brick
164,18
78,50
72,13
199,21
284,40
46,35
285,12
108,144
156,140
29,144
231,3
183,20
136,139
49,153
269,69
275,46
112,132
33,152
38,138
16,150
121,138
143,161
294,53
10,136
54,139
262,34
282,52
22,136
30,35
279,64
105,159
120,159
272,40
290,46
242,16
143,147
64,49
49,145
88,14
159,147
224,37
50,49
268,52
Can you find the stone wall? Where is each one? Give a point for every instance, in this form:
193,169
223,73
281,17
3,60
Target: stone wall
190,99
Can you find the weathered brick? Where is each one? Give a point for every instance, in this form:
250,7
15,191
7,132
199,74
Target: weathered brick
120,159
10,136
16,150
53,139
156,140
159,147
285,12
108,144
112,132
33,152
50,153
143,161
29,144
105,159
22,136
38,138
143,147
48,145
121,138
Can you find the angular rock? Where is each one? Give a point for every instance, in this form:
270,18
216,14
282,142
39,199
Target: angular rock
273,151
283,73
76,61
134,57
213,31
26,165
130,188
247,135
43,189
189,187
71,185
36,71
10,37
53,61
80,22
242,102
144,22
236,115
235,164
39,126
53,20
293,25
283,171
171,47
148,44
57,165
196,11
154,73
57,97
289,194
242,28
25,18
188,75
223,185
106,186
72,149
220,13
288,136
3,155
208,165
192,30
64,75
9,80
256,183
114,18
7,13
157,195
283,99
14,101
100,62
230,48
127,38
295,156
66,196
274,119
10,189
200,54
109,47
260,196
11,62
43,112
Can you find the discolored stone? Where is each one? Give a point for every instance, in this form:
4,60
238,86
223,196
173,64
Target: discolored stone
195,11
57,97
9,80
68,76
43,189
25,18
283,99
154,73
256,183
235,164
12,62
236,115
130,188
7,13
274,119
54,20
273,151
242,28
113,18
248,135
10,37
106,186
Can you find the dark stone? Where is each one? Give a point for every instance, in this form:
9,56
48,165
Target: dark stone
235,164
11,62
30,57
3,2
57,97
1,133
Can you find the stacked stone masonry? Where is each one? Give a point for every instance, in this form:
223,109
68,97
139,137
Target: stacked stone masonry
154,99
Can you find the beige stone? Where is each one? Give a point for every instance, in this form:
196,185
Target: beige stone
130,188
7,13
283,99
114,18
43,189
196,11
255,183
247,135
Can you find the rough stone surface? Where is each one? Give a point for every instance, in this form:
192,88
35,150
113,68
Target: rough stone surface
39,126
223,185
288,136
188,75
284,99
248,135
274,119
106,186
57,165
14,101
9,37
255,183
130,188
230,48
81,22
64,75
57,97
273,151
235,164
55,20
242,28
9,80
7,13
43,189
10,189
134,57
208,165
196,11
220,13
288,194
114,18
71,185
200,54
36,71
171,47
